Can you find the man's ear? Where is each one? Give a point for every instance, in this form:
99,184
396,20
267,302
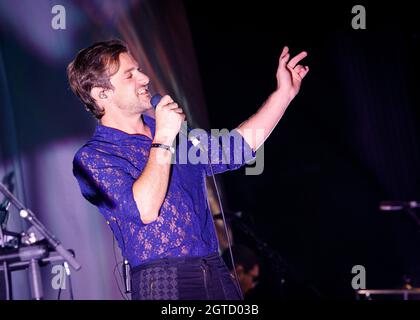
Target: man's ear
99,94
239,270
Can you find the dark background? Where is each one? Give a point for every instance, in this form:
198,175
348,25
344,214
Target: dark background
349,140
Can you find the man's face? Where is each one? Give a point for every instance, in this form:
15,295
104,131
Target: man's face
247,279
130,94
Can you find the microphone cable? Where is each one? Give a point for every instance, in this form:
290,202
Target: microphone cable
238,287
154,102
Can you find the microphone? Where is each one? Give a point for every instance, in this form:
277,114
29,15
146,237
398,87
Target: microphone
185,130
154,101
398,205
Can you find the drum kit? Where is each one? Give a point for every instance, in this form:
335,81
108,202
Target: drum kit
394,294
406,291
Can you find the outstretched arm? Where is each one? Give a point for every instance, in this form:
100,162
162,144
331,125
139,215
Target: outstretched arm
289,78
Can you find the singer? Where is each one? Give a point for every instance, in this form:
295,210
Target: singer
158,211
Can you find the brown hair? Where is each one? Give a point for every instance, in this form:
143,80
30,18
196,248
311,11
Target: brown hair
93,67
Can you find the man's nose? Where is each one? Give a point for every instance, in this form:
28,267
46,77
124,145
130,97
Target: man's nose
143,79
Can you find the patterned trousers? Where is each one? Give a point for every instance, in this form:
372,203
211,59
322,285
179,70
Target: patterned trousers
185,278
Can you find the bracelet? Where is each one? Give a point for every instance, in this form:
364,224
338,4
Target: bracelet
163,146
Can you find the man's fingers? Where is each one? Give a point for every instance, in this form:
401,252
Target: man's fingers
284,57
295,60
303,72
178,110
284,51
166,99
169,104
172,105
299,68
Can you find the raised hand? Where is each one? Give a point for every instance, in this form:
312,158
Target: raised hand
290,73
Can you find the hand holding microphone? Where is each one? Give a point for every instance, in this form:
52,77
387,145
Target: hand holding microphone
169,118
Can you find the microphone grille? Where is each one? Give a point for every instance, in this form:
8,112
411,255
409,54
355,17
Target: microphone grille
155,100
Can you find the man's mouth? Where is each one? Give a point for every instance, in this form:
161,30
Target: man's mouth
143,92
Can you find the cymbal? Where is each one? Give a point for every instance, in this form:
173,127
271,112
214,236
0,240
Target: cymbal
389,291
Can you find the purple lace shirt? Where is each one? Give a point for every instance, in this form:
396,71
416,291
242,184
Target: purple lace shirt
106,168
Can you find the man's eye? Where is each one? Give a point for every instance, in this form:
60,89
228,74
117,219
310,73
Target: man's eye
139,69
130,76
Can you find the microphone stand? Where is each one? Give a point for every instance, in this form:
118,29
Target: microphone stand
407,206
4,208
8,287
34,255
413,215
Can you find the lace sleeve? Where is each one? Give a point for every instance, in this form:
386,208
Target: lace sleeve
227,151
105,183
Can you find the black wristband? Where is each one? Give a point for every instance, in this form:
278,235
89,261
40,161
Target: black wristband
163,146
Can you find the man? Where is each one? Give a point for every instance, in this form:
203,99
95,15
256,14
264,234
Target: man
247,266
158,211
